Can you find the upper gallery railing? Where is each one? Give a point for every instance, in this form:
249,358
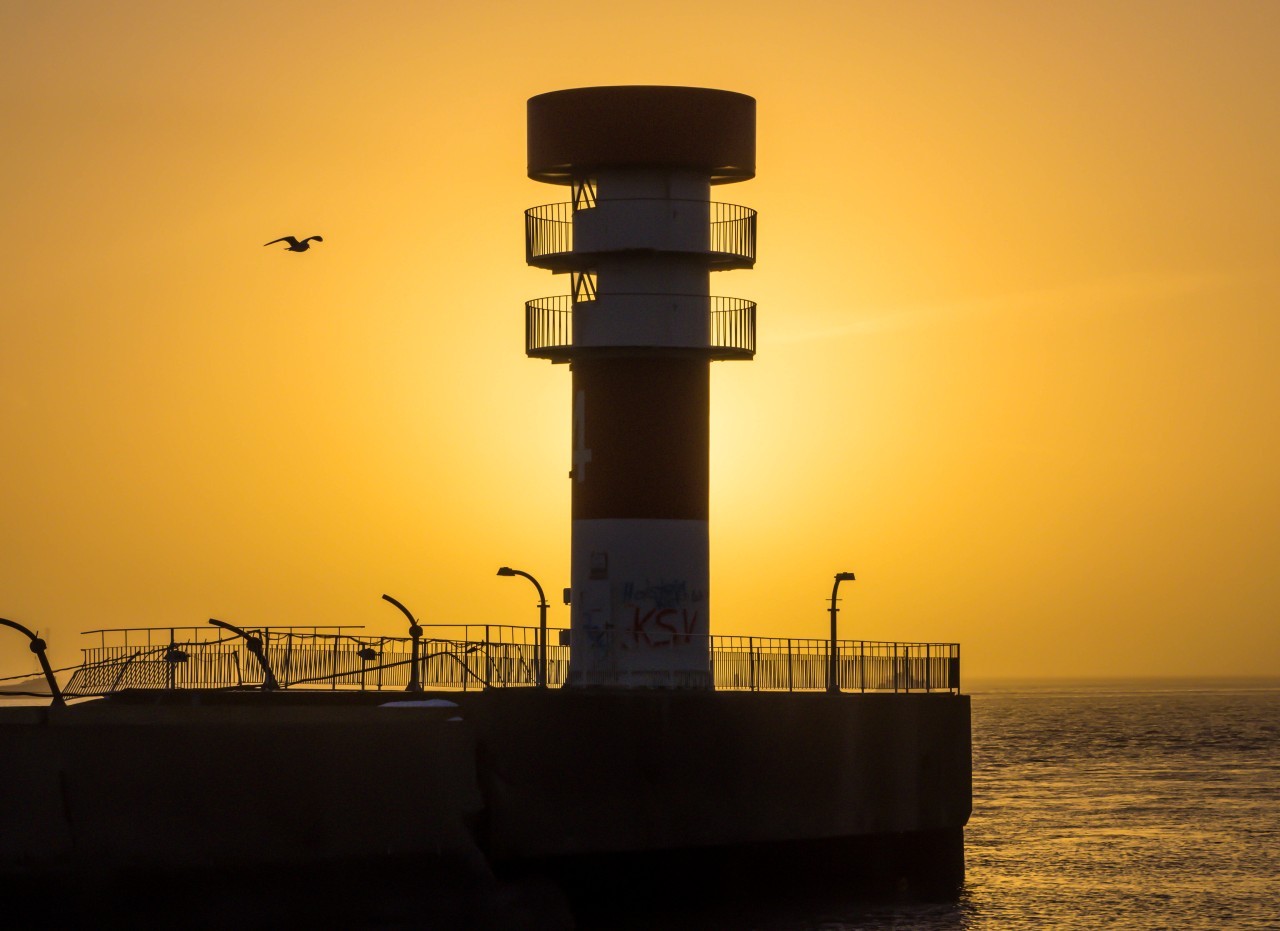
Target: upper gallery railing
731,324
478,656
731,240
548,324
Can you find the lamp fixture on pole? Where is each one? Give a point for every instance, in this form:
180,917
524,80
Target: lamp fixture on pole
415,632
38,647
542,623
255,645
833,678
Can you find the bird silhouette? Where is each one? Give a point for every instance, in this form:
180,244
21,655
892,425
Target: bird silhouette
294,244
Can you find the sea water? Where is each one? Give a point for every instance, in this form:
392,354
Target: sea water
1136,805
1126,805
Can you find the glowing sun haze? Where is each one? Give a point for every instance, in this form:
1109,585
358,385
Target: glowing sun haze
1018,330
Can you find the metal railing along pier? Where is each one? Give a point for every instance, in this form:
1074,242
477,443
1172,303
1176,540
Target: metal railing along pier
485,656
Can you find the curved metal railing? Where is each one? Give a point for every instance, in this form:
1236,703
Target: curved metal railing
733,231
733,325
548,324
193,658
503,656
548,327
548,231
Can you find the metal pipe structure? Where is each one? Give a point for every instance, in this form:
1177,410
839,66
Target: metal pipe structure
415,632
542,623
833,670
38,647
254,643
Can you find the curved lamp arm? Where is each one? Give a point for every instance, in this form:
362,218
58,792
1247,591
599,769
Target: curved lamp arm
37,647
415,631
833,678
507,571
254,643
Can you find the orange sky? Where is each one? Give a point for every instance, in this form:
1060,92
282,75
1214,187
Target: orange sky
1018,331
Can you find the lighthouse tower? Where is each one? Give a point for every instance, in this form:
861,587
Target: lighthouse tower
639,329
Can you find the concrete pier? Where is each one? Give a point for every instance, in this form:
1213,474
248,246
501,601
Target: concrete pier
846,791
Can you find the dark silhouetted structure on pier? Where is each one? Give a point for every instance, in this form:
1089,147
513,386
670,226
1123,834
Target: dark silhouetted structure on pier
638,239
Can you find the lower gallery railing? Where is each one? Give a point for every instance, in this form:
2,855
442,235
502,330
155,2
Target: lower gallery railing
494,656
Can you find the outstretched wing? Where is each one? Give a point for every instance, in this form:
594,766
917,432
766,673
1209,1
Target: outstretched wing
289,239
316,238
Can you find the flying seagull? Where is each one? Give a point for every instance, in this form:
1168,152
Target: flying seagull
294,244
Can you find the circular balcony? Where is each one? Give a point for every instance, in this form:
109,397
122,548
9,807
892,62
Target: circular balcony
557,328
724,234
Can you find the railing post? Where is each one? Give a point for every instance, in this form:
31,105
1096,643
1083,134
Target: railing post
790,677
751,659
288,657
333,675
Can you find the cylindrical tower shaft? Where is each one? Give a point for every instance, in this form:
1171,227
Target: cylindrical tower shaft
640,330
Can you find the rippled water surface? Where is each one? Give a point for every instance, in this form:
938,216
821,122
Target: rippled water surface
1130,806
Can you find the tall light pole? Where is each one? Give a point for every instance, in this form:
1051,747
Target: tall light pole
38,646
833,678
415,632
254,643
542,623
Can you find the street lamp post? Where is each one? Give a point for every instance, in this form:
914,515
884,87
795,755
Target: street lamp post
415,632
542,623
254,643
38,646
833,678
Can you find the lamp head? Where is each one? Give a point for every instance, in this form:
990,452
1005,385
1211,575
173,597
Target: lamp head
506,570
844,577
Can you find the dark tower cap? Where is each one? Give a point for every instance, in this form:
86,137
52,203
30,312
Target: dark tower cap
574,132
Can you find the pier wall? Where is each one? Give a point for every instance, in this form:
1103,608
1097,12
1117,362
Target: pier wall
110,786
524,778
631,770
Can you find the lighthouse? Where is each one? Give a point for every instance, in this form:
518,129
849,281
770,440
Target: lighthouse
639,328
